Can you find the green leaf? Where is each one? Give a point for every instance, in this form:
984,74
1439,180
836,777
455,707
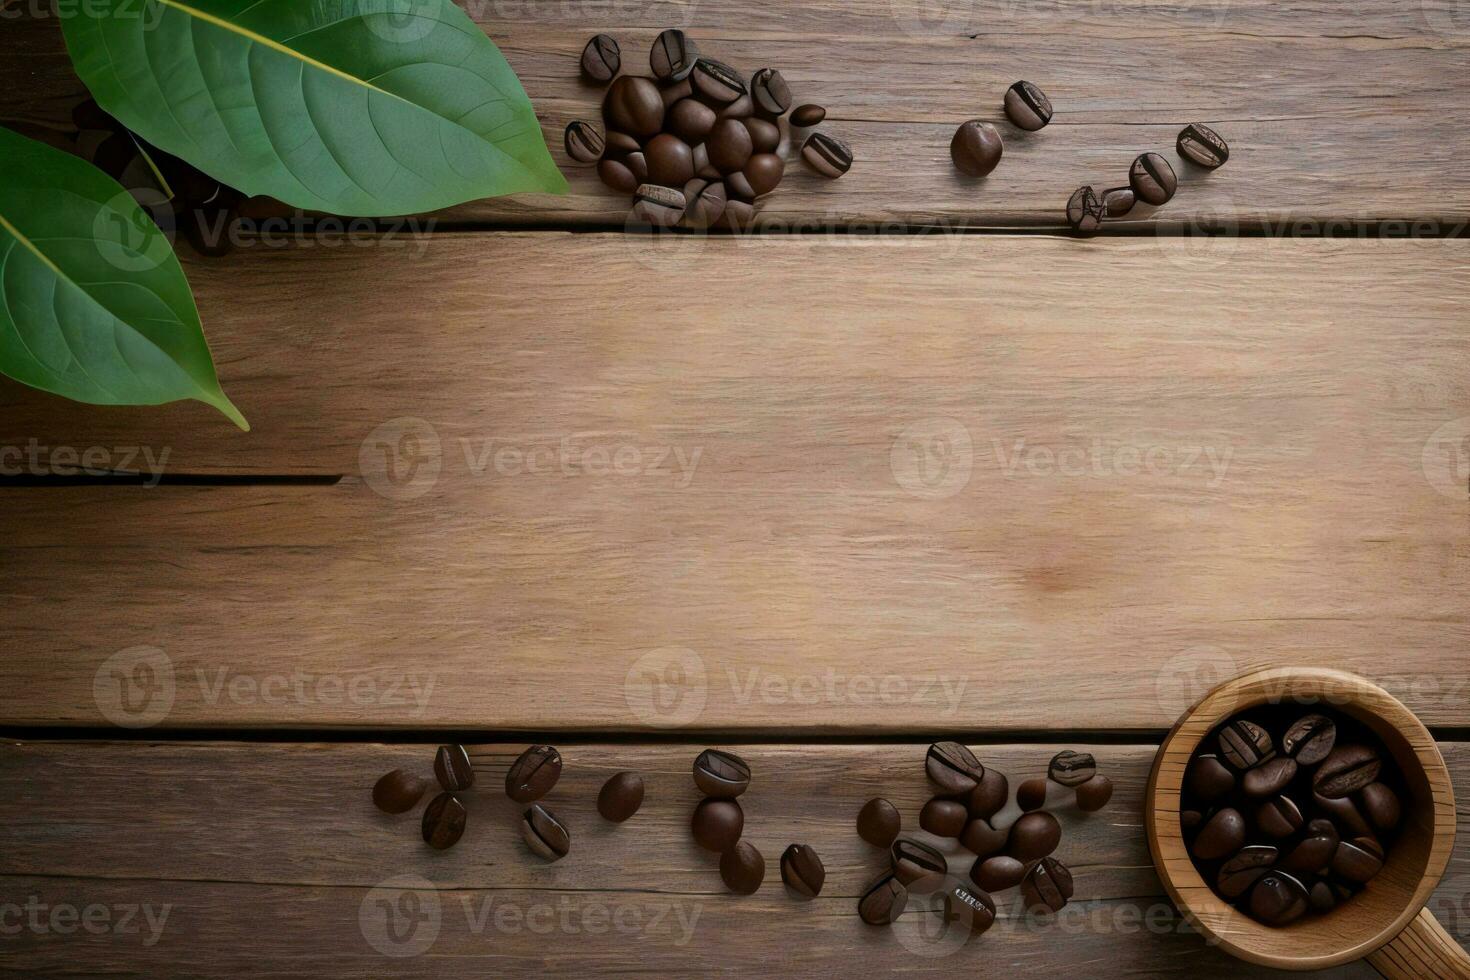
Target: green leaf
361,107
93,303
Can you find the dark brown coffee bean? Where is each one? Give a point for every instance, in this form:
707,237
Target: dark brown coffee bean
673,56
1190,820
1311,856
1279,817
953,767
997,872
444,820
691,120
721,774
883,901
659,206
544,834
765,136
920,867
1201,145
1321,898
1278,899
1152,179
1269,778
399,791
1208,778
1310,739
702,166
1381,805
533,775
1085,211
944,818
672,92
742,108
584,142
621,797
1117,201
742,868
771,93
620,144
1027,106
1322,827
807,116
1358,859
968,908
729,145
601,59
739,214
802,870
827,155
1033,836
976,148
633,105
1221,836
704,202
1071,769
1031,794
716,81
1094,794
738,185
670,161
617,175
1244,744
1047,886
1344,813
989,795
717,824
453,769
1242,871
1347,769
638,164
763,171
982,838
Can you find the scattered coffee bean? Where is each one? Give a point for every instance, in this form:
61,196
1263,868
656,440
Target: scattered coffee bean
1279,817
982,838
1117,201
704,202
1358,859
453,769
673,56
717,81
1085,211
976,148
444,820
1201,145
1152,179
1221,836
584,142
633,105
883,901
827,155
1381,805
967,907
765,136
997,872
1269,778
619,144
1311,856
670,160
601,59
1209,779
1278,899
771,93
1347,769
617,175
729,145
944,818
661,207
721,774
1072,769
918,866
807,116
989,795
1034,836
1031,794
399,791
1243,869
1047,886
953,767
802,870
1310,740
1244,744
1027,106
1094,794
533,774
544,834
742,868
621,797
763,172
717,824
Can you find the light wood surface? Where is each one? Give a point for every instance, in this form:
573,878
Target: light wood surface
1335,112
1424,949
267,855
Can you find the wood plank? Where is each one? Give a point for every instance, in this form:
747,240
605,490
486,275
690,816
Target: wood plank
266,856
1318,98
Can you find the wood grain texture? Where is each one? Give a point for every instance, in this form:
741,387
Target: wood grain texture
769,472
267,855
1335,112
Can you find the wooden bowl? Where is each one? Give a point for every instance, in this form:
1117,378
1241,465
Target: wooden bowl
1387,922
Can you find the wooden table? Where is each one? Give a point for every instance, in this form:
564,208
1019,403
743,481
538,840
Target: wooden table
881,474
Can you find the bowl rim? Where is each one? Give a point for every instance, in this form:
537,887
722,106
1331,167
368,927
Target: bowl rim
1260,687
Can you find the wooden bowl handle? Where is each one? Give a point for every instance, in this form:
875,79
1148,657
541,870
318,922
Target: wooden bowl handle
1423,949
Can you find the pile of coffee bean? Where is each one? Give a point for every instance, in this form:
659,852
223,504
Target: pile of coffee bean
696,144
1287,813
1151,180
1012,844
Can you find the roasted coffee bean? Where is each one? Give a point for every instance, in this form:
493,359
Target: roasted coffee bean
1094,794
1117,201
1033,836
1322,827
1190,820
1279,817
968,907
802,870
1199,144
953,767
1031,794
920,867
1221,836
672,92
1047,886
807,116
1347,769
742,868
943,818
670,161
673,56
1208,778
721,774
739,214
1345,813
638,164
601,59
883,901
1311,856
742,108
1152,179
584,142
533,775
621,797
1310,740
1085,211
453,769
771,93
1027,106
976,148
704,202
617,175
989,795
765,136
717,824
1321,898
544,834
1278,899
717,81
633,105
1358,859
997,872
729,145
1245,744
702,166
619,144
1269,778
763,171
1243,869
399,791
827,155
444,820
982,838
1381,805
691,120
738,185
1072,769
